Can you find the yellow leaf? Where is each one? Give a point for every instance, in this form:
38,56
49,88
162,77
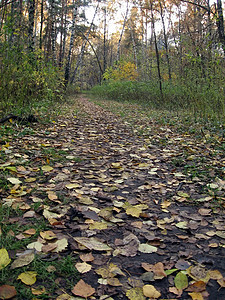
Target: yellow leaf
196,296
39,291
4,258
48,235
151,292
135,293
28,277
46,168
71,186
98,225
114,281
134,211
198,273
165,204
116,165
215,274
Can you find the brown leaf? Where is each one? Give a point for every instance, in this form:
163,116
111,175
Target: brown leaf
49,247
197,287
158,270
204,211
87,257
7,292
83,289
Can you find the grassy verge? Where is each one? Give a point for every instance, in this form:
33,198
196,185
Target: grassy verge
200,101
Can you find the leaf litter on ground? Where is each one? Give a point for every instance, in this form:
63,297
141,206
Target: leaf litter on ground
143,210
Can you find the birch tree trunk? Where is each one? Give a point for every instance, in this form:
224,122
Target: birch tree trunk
41,23
80,58
53,30
156,52
68,62
134,45
121,34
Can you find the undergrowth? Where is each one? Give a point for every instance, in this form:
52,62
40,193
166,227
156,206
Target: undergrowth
199,100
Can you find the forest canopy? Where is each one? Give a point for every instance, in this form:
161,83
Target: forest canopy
170,53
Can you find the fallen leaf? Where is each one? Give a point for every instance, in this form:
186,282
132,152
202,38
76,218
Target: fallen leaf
83,289
114,281
92,244
165,204
133,211
83,267
46,168
30,231
198,286
98,225
4,258
68,297
28,277
71,186
7,292
87,257
49,247
181,281
221,282
182,225
215,274
14,180
35,245
204,211
135,293
146,248
61,245
151,292
158,270
175,291
23,260
48,235
38,291
196,296
198,273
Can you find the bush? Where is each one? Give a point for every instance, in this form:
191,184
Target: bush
25,80
200,100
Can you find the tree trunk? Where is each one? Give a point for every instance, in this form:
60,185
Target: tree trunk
68,63
64,32
31,12
61,33
165,41
134,46
220,24
104,52
80,58
53,30
156,52
121,34
41,23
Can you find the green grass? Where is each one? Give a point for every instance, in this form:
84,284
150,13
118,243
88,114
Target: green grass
51,275
200,100
59,273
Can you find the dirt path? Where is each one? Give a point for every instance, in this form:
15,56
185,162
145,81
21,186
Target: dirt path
132,217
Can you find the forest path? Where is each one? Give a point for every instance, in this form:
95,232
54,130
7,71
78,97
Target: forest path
118,194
